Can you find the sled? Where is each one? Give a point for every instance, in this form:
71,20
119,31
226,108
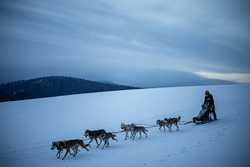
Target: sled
199,122
204,122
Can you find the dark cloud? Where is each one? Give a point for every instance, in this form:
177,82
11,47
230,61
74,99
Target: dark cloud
92,39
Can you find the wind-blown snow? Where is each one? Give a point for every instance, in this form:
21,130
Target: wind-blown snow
28,127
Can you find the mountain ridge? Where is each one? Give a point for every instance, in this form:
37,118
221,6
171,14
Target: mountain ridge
51,86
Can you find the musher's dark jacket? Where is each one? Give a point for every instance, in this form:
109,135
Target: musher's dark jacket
209,100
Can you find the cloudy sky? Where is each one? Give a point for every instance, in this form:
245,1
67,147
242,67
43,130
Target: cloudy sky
126,41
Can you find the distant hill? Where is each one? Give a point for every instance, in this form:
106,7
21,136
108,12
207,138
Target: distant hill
53,86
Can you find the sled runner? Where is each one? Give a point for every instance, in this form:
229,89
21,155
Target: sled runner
202,117
199,122
204,122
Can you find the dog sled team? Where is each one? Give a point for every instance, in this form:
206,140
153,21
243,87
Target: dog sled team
72,147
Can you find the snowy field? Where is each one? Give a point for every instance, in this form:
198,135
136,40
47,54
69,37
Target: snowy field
28,127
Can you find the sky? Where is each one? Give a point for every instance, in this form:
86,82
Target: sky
140,43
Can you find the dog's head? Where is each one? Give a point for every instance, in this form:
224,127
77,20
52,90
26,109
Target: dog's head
167,119
54,145
123,125
158,122
86,134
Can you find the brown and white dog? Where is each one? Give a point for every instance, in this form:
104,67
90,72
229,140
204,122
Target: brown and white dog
162,124
139,130
173,121
106,137
127,128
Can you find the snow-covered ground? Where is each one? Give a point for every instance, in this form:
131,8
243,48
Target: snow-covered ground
28,127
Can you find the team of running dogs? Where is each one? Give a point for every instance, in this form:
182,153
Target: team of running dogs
72,146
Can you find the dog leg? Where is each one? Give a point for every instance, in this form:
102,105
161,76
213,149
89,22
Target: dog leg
177,127
100,141
170,128
146,135
108,143
70,153
67,151
103,146
129,136
75,151
91,139
86,148
58,154
133,134
105,142
126,135
97,143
